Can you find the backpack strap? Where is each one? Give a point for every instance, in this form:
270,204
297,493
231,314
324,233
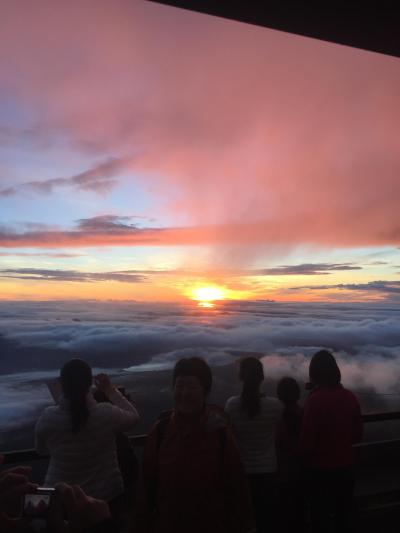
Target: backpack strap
161,427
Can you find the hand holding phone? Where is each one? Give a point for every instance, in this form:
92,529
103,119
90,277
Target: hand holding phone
103,382
14,483
36,504
81,511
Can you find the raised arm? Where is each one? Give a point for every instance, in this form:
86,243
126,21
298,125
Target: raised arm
124,414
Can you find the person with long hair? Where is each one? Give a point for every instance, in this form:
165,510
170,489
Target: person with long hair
292,504
254,418
289,429
79,434
332,423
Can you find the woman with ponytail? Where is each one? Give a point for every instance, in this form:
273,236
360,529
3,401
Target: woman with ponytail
79,433
254,417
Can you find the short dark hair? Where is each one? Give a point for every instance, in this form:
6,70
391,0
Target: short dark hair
194,366
324,370
288,390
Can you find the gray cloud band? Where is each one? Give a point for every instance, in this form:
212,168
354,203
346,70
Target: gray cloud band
99,178
387,286
37,274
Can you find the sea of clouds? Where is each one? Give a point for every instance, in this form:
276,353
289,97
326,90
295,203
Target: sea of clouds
36,338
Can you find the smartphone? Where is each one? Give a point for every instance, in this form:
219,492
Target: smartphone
55,389
36,504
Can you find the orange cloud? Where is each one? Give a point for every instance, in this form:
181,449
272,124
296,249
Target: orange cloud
42,290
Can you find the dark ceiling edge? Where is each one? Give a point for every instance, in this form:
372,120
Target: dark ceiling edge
373,26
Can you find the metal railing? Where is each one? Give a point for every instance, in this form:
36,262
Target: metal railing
364,449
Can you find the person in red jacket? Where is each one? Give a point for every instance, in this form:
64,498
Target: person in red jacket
192,476
332,423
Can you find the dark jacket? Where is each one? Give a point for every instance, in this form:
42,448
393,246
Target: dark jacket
193,480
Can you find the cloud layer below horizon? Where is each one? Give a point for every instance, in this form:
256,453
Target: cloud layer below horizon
128,334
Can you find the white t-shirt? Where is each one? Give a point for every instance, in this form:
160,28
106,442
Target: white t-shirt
89,457
256,436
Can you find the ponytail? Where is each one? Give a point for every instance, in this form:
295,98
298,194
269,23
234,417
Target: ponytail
252,375
250,399
79,412
76,378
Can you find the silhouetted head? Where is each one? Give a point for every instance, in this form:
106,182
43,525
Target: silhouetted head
191,381
76,379
288,391
251,373
324,370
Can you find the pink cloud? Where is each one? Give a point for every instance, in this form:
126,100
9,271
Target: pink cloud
263,137
101,233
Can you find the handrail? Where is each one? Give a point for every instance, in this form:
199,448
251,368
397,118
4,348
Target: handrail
381,417
29,455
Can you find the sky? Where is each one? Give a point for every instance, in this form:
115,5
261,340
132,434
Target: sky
146,151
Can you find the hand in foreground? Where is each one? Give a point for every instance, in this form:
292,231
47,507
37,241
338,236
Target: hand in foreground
82,512
103,382
14,483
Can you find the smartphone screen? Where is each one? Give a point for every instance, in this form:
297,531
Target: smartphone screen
36,505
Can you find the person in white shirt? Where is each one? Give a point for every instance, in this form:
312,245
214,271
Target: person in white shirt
79,433
254,418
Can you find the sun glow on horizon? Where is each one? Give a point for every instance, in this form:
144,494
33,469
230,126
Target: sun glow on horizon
207,295
208,305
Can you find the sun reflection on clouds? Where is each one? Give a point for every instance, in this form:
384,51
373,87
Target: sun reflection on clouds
207,305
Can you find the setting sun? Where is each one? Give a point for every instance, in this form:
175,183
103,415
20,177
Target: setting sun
208,294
